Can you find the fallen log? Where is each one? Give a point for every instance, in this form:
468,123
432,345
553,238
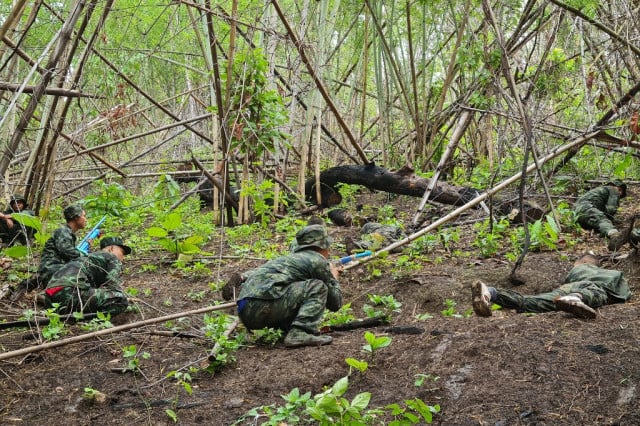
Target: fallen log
405,182
75,339
472,203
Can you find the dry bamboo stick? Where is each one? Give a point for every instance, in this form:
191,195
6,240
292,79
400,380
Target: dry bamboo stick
124,327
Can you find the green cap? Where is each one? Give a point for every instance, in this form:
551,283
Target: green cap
313,236
114,241
72,211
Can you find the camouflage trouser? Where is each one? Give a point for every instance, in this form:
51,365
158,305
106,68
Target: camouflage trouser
591,218
90,300
302,306
592,294
635,236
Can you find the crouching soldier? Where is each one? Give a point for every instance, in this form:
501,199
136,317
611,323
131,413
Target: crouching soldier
90,283
291,292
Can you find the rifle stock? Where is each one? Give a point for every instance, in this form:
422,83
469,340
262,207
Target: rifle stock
91,235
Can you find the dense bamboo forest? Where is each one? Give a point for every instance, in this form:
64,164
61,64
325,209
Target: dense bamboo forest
467,92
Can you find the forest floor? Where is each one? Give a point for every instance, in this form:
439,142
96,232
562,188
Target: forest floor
510,369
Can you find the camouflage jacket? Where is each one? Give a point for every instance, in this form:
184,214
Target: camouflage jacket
270,280
613,282
603,198
59,249
99,269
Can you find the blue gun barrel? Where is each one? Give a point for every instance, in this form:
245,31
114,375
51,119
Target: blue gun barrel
92,235
347,259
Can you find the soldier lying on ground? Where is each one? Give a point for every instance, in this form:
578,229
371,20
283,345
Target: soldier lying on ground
587,287
291,292
90,283
375,236
596,208
11,231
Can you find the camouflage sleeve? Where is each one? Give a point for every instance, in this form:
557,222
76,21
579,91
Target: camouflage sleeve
334,297
111,270
65,243
612,201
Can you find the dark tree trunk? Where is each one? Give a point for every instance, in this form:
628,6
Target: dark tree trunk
404,182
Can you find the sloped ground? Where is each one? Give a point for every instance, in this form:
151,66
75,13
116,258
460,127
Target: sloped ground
545,369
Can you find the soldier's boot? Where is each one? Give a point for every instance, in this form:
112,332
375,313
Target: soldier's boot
481,299
573,304
297,337
232,288
616,239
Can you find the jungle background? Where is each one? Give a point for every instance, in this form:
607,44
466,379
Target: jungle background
201,130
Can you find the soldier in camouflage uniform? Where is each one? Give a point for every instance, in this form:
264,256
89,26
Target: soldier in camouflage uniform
291,292
11,231
586,288
375,236
91,283
596,208
61,247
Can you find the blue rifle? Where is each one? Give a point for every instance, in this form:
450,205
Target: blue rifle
347,259
92,235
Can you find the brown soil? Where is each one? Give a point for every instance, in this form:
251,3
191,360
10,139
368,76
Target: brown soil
545,369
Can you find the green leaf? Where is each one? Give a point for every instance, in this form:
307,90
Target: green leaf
17,252
28,220
172,222
157,232
361,401
340,387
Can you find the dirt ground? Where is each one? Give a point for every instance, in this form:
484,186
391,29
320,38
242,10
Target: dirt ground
510,369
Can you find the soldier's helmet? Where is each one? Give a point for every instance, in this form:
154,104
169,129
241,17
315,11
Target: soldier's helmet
115,241
618,183
313,236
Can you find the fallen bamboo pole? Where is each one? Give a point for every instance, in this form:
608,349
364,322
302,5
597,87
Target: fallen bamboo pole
123,327
480,198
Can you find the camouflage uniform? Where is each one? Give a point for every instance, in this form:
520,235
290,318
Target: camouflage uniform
597,287
292,291
18,232
375,236
88,284
58,250
596,208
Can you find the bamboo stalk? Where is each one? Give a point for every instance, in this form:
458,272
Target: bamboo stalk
124,327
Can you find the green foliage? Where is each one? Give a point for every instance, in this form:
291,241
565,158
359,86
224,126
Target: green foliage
423,245
341,316
256,112
215,324
348,193
489,242
359,365
267,336
56,328
133,358
112,199
169,237
101,322
262,195
421,378
330,407
383,306
451,312
375,343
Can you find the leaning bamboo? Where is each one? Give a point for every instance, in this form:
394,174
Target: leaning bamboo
488,193
124,327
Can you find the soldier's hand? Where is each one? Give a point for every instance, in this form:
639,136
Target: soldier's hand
336,270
